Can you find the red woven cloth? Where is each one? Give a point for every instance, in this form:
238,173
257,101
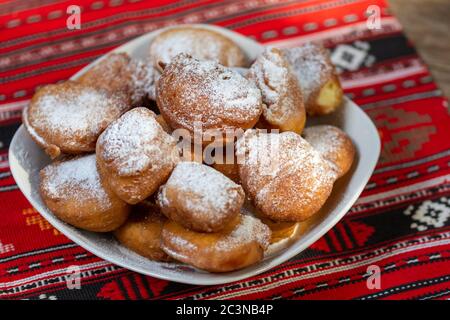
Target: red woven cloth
401,223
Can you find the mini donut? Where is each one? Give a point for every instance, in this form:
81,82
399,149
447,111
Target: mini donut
283,107
194,93
68,117
200,43
284,176
322,91
135,155
334,145
72,190
141,233
240,244
200,198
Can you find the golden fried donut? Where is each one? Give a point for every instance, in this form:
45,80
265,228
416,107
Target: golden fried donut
200,43
135,155
240,244
317,76
68,117
281,94
200,198
333,144
72,190
142,232
284,176
191,92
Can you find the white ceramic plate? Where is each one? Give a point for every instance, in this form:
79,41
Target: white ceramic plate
26,159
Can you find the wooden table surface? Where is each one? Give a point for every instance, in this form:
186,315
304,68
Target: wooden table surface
427,25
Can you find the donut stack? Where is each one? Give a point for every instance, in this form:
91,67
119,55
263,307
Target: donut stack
118,165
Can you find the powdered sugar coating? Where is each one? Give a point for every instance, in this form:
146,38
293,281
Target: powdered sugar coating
273,153
241,244
191,90
248,230
283,174
312,66
72,115
143,80
200,43
281,94
271,73
60,179
198,196
333,144
324,138
111,73
136,142
83,113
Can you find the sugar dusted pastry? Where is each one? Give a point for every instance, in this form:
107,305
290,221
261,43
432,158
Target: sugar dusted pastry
281,94
117,72
143,81
68,117
142,232
191,92
284,176
200,198
200,43
322,92
135,155
111,73
240,244
72,190
333,144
